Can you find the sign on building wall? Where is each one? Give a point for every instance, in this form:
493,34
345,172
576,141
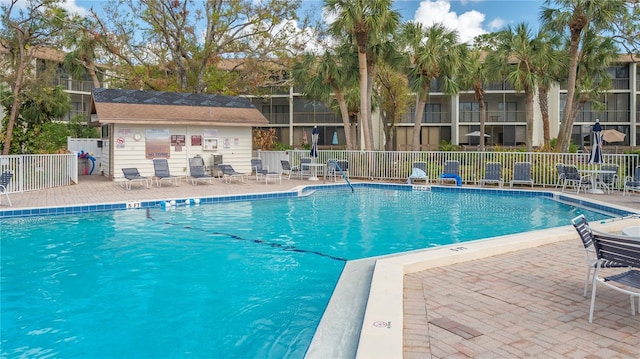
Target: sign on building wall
178,141
210,140
157,144
196,140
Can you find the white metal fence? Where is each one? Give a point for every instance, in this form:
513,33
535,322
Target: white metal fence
34,172
396,165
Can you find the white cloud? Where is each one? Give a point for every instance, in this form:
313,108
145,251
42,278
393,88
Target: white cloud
73,8
69,5
468,25
496,24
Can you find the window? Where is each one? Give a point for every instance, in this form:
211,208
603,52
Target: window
469,111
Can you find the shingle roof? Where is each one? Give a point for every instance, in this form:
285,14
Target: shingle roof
171,108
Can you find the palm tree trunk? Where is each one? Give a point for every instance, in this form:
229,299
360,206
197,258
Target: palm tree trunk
370,70
528,109
354,133
344,113
364,102
483,119
564,137
94,77
417,124
543,98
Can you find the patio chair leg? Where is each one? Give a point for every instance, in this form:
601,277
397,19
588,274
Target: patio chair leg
586,281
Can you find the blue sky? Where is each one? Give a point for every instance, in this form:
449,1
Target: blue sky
472,17
469,17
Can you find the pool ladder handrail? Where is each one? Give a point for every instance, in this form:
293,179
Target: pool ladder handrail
341,172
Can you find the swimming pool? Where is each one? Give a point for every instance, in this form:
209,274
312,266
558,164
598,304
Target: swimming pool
237,279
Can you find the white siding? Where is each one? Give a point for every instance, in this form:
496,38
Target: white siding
238,153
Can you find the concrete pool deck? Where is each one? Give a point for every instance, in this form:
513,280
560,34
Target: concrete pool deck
472,301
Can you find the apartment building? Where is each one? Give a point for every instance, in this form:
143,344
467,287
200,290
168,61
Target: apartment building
446,118
452,118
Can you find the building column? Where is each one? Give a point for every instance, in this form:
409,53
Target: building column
633,103
455,119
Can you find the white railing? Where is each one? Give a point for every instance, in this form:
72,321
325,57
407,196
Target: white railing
35,172
396,165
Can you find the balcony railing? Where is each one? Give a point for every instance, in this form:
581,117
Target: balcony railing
493,116
316,117
73,85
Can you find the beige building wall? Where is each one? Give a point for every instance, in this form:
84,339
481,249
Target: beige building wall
130,144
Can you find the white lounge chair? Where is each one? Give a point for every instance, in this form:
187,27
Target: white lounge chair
162,173
5,178
492,174
521,174
451,172
197,171
131,174
418,172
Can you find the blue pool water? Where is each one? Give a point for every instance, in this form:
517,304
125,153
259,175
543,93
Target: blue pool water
232,280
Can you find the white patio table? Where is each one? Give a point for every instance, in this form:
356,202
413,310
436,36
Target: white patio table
594,173
314,170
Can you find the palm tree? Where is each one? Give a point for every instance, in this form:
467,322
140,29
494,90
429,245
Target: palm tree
363,21
517,55
325,78
592,76
549,69
27,28
83,43
578,17
474,75
435,54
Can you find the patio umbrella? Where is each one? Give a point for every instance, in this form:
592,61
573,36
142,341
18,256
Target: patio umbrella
314,142
613,136
476,134
596,151
335,138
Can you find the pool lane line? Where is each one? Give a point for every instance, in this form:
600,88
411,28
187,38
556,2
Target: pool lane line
258,241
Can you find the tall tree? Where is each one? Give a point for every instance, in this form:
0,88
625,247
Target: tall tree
474,75
435,54
83,42
395,98
181,44
363,21
382,52
518,56
39,106
577,18
593,79
328,77
549,68
25,32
